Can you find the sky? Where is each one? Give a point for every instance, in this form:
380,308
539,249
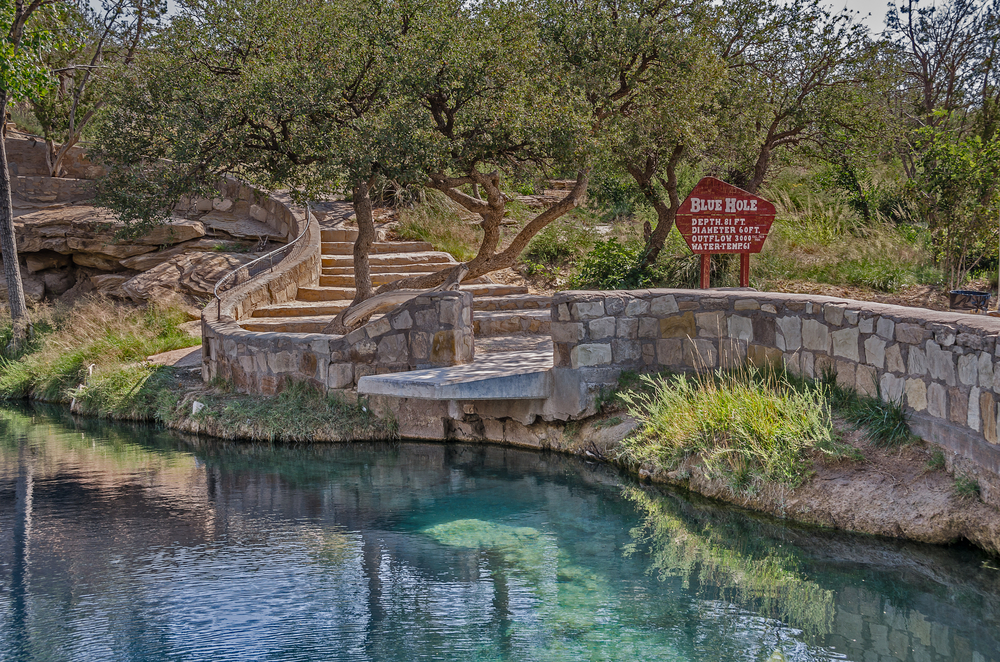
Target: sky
871,12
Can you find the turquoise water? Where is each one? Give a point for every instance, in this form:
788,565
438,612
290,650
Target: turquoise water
126,543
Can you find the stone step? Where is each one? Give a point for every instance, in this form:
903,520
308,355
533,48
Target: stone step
512,302
347,280
338,235
494,290
325,293
419,267
304,324
419,257
504,323
302,309
347,247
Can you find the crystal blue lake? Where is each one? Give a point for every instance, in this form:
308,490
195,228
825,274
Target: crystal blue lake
122,542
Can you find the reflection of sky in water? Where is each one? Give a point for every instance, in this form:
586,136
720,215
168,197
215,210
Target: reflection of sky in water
121,544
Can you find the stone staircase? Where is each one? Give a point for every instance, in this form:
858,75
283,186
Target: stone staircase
499,310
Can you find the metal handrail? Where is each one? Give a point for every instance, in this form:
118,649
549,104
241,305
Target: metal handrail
256,267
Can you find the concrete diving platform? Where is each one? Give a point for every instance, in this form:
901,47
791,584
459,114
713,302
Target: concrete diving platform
514,375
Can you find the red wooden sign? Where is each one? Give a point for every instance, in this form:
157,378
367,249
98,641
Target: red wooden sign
719,218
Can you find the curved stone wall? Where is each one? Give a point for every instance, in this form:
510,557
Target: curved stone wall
943,367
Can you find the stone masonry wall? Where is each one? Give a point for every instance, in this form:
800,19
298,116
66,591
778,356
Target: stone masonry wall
52,189
944,367
428,331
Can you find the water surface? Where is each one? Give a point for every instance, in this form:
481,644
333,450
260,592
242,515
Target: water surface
127,543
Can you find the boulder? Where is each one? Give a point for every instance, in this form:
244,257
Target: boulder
147,261
96,261
43,260
110,284
59,281
174,231
185,280
101,246
33,286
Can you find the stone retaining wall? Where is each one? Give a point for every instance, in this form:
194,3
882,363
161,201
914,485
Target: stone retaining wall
943,367
26,157
52,189
428,331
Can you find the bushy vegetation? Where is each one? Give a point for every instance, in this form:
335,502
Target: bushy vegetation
95,352
750,426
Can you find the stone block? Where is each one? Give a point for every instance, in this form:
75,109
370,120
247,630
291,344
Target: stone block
740,328
917,362
588,310
916,394
649,352
746,304
768,308
665,305
446,348
833,314
763,330
885,328
958,406
628,327
363,351
378,328
570,332
449,311
851,317
968,369
426,319
912,334
791,361
625,351
762,356
987,412
670,352
700,354
823,365
282,362
937,400
973,420
892,387
846,374
789,335
678,326
402,320
593,354
340,375
894,359
732,352
845,343
972,341
866,324
985,369
562,313
649,327
614,305
710,325
392,349
807,365
420,346
636,307
940,363
603,327
815,336
875,352
943,335
866,380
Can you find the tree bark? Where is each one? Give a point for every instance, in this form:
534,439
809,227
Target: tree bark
366,237
666,214
8,245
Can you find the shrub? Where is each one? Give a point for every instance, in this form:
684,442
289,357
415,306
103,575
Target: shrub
557,245
613,265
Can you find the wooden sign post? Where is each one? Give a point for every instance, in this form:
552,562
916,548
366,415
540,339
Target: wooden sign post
719,218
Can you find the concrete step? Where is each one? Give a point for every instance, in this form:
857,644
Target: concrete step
347,247
512,302
505,323
302,309
494,290
386,259
338,235
518,375
325,293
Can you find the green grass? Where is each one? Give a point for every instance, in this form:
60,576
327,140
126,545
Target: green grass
558,245
95,352
749,426
967,487
936,463
298,413
885,422
445,224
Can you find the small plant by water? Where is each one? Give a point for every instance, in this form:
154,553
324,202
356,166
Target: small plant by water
967,487
884,421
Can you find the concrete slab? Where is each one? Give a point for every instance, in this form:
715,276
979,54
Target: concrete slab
522,375
188,357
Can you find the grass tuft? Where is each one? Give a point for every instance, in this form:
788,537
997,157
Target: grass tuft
298,413
936,463
749,425
885,422
967,487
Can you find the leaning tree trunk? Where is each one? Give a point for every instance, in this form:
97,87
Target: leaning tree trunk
366,237
666,212
8,244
